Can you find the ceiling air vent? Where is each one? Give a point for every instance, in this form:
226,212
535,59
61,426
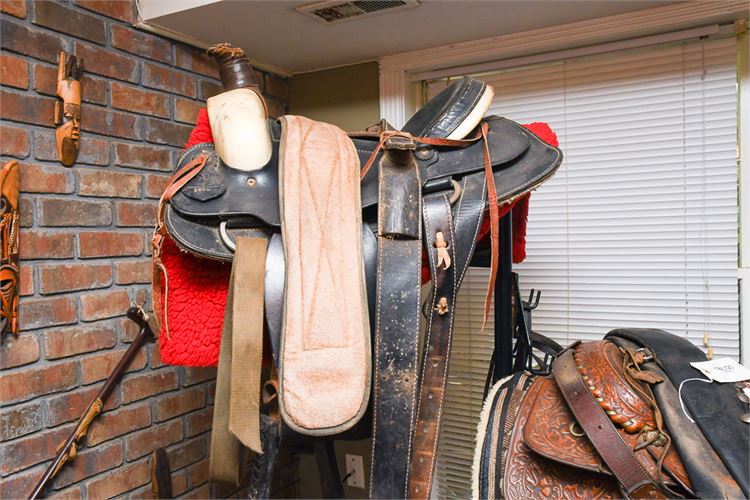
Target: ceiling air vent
336,11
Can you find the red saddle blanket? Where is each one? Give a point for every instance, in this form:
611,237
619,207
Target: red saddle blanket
198,287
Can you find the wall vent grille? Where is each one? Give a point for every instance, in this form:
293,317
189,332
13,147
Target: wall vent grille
336,11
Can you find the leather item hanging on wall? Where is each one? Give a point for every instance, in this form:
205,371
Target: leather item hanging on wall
9,271
68,111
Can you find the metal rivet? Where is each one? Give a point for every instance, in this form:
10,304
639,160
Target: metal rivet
434,363
429,395
251,182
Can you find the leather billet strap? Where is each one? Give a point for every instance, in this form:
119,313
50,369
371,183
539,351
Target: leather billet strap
397,332
460,234
437,220
610,446
236,418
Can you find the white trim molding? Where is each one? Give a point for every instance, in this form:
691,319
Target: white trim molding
743,144
396,70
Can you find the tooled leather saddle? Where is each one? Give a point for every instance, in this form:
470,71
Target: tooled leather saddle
609,423
427,186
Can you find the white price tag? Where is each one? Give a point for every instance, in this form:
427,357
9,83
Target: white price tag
722,370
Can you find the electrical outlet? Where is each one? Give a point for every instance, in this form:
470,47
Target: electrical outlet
355,469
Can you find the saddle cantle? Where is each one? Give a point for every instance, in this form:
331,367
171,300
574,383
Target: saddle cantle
534,440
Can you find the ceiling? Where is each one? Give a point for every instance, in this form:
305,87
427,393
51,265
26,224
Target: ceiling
273,33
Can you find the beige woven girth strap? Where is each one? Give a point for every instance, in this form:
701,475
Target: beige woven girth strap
236,420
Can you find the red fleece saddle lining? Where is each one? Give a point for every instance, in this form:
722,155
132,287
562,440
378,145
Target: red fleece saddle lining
198,287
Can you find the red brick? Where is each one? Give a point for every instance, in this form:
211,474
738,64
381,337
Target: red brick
135,214
20,484
117,482
31,450
179,483
195,60
67,277
117,9
20,420
56,212
71,405
208,88
14,8
129,329
142,156
275,108
164,132
72,493
198,473
90,461
79,339
71,22
45,245
14,142
129,272
168,79
18,351
26,279
108,63
116,423
29,41
155,358
109,244
27,108
48,179
109,184
14,71
104,305
26,212
148,384
187,452
141,44
113,123
136,100
180,403
204,492
144,442
96,367
28,383
38,313
187,111
199,422
195,375
93,89
156,185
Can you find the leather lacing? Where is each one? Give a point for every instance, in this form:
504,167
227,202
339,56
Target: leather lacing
481,133
176,182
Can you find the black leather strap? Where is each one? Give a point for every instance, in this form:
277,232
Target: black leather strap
460,234
397,322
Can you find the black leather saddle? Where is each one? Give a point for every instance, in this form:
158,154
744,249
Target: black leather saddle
427,189
207,214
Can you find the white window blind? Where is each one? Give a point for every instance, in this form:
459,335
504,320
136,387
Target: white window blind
637,229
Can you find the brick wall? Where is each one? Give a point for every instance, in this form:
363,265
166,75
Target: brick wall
85,250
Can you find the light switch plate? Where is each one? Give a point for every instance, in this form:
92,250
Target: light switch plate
355,468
